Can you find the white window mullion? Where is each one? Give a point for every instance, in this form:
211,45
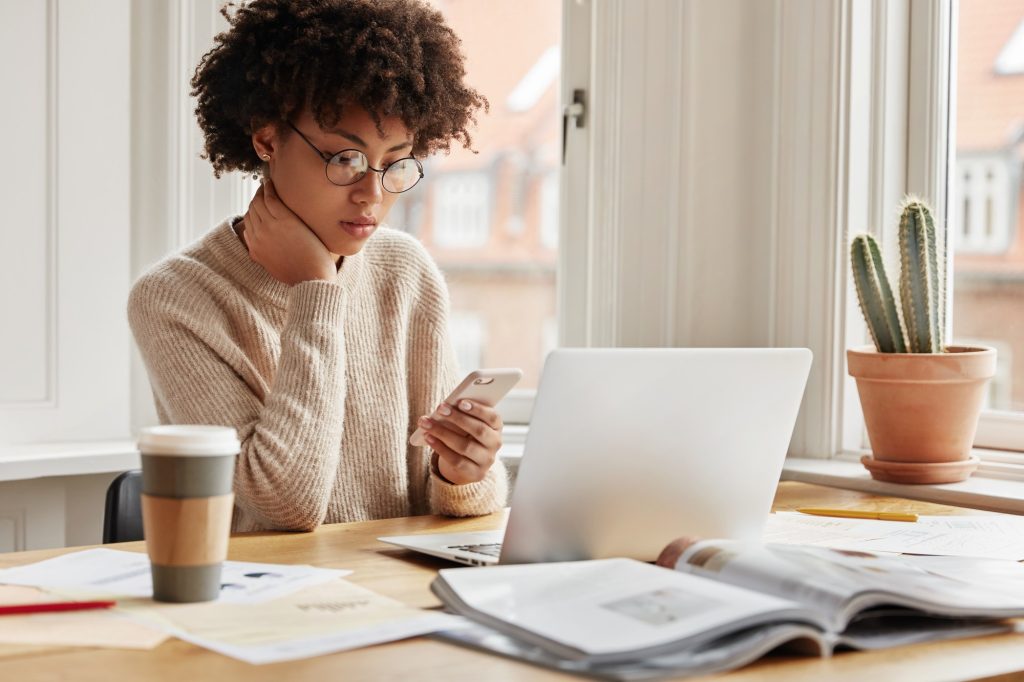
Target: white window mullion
574,191
932,120
820,147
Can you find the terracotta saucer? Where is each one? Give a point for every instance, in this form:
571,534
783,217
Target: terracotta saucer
914,472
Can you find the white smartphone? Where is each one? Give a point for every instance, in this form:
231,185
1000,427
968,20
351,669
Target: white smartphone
487,386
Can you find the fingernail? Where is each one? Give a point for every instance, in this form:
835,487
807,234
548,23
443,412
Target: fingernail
425,423
465,406
430,439
444,409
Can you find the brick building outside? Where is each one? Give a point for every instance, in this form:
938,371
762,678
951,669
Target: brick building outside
987,207
490,218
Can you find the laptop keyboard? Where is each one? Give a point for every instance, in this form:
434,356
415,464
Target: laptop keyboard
487,549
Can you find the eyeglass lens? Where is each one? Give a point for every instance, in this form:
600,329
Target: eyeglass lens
348,167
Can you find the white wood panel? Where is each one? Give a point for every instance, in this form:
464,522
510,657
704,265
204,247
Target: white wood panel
648,158
27,278
726,240
812,156
678,246
35,512
176,198
203,200
574,193
607,123
84,506
70,303
10,531
56,511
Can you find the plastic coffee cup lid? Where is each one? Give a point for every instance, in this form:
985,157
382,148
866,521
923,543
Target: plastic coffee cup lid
189,440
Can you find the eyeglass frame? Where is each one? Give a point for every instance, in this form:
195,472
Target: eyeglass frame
327,162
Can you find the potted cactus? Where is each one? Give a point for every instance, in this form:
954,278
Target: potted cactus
921,398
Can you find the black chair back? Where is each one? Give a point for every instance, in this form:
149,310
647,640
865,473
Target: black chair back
122,518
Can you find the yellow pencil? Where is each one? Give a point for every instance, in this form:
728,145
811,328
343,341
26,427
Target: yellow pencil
859,514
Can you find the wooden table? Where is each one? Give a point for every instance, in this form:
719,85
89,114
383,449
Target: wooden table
406,576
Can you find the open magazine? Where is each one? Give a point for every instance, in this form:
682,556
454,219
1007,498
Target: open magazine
725,605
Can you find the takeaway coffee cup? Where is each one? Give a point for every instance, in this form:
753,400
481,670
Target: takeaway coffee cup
186,507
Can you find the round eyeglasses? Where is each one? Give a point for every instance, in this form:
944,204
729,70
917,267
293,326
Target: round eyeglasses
349,166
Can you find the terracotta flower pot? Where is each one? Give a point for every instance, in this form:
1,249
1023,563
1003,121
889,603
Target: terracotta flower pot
921,410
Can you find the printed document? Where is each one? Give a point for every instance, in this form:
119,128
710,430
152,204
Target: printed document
118,574
331,617
990,537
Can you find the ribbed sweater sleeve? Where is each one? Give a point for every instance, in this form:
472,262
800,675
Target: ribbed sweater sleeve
290,435
434,372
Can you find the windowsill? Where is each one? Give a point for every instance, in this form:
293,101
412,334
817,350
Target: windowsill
44,460
994,487
75,459
980,491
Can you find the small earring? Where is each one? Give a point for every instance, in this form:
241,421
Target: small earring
265,157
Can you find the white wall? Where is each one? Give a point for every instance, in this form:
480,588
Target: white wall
65,187
725,253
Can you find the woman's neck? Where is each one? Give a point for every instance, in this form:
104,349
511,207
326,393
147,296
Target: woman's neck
238,227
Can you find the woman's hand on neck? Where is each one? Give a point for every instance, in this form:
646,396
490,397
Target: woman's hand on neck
279,241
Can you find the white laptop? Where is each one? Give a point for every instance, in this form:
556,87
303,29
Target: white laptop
629,448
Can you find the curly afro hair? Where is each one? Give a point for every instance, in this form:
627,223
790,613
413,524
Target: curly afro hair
391,57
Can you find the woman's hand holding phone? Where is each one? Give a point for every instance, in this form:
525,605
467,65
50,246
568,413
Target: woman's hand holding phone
465,430
465,440
278,240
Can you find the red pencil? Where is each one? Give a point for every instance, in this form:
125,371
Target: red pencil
47,607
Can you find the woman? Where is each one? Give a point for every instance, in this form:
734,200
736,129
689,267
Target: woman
315,331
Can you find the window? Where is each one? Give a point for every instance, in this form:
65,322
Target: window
549,338
461,210
987,227
549,211
489,216
467,332
985,215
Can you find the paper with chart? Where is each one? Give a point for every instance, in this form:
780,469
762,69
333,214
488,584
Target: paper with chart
992,537
266,612
119,574
331,617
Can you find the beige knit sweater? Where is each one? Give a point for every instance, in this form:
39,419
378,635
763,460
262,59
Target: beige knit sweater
322,380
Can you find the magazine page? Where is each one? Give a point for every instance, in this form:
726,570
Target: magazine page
999,575
813,581
968,589
729,652
840,583
608,609
884,628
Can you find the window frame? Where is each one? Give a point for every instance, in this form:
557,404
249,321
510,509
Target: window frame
450,231
933,45
909,90
999,194
574,232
